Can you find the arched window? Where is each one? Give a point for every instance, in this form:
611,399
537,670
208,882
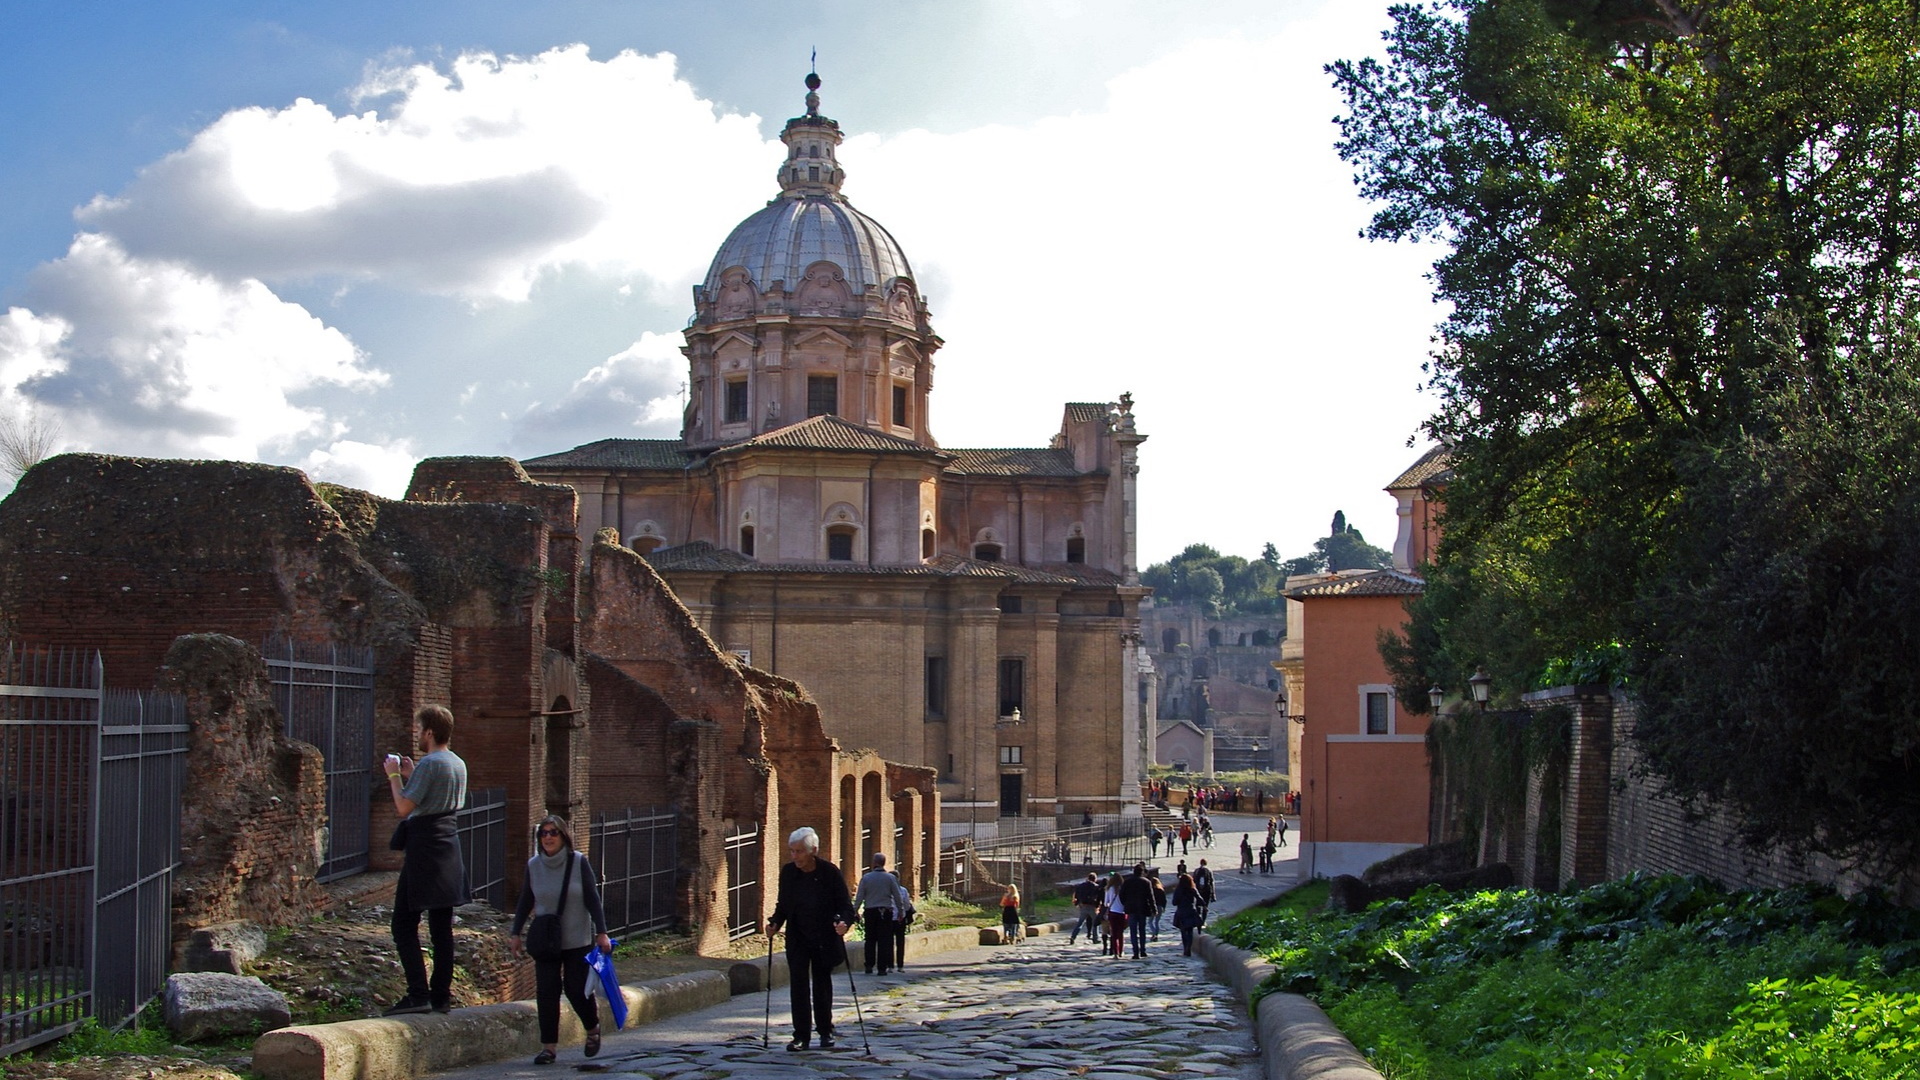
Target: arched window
1261,638
1076,549
987,552
840,543
647,545
1213,637
746,540
1202,668
1169,639
926,543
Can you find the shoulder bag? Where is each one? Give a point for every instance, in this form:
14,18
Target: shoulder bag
543,934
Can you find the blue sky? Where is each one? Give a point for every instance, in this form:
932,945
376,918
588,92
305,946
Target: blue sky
344,236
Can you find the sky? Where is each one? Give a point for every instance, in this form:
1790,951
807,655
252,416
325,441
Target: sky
349,235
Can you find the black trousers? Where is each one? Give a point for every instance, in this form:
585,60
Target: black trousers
406,939
568,973
810,984
880,933
899,943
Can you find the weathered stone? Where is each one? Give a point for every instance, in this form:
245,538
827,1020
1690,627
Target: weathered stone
224,947
212,1004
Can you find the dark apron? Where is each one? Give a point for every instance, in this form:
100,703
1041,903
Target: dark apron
434,874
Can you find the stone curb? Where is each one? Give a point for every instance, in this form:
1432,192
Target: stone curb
749,976
403,1047
1297,1041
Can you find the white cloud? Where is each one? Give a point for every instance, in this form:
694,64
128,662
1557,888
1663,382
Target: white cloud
635,392
470,182
138,356
383,470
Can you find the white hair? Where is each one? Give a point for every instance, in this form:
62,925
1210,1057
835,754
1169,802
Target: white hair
805,835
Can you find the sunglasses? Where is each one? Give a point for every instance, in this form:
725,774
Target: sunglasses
549,832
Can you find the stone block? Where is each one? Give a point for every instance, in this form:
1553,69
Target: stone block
212,1004
224,947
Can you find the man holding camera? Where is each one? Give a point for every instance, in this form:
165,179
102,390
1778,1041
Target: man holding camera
433,880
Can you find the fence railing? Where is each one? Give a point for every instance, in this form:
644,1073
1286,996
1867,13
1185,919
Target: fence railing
325,693
90,784
483,845
1102,846
745,896
635,853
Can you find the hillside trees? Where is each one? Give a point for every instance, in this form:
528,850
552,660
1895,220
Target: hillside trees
1678,374
1230,585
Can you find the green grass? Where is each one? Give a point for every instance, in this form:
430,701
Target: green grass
1645,977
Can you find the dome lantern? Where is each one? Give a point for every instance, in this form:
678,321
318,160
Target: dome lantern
811,168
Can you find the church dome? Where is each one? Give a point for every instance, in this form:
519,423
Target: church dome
786,245
793,232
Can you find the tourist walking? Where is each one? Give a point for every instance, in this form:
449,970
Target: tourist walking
903,915
1136,896
1010,915
1266,855
1246,853
1186,836
1116,915
562,899
1086,900
1203,884
1153,842
1186,911
433,876
1159,905
813,906
874,900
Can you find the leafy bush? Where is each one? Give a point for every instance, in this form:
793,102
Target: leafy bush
1641,977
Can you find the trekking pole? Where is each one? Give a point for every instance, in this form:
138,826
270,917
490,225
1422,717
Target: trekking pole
862,1017
766,1029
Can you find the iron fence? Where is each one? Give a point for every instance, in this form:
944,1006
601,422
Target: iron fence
1106,846
745,897
90,784
325,693
635,853
483,845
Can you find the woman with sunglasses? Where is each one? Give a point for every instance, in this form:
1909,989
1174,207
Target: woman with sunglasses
560,882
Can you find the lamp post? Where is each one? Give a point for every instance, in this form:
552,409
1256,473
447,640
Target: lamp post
1436,696
1482,686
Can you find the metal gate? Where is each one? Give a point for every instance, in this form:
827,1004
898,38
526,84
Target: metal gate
636,856
745,898
90,784
325,692
482,829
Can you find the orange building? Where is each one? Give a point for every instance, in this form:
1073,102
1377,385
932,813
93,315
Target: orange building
1362,768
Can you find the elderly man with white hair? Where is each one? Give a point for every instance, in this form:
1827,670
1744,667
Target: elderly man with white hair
813,906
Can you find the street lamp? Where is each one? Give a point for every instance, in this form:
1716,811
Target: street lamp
1482,686
1436,696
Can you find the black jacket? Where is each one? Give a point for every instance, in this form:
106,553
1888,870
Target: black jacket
1136,896
1089,894
808,904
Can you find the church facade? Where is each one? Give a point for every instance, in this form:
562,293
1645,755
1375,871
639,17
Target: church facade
975,611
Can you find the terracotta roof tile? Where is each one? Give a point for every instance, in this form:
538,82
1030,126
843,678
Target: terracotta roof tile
831,433
1434,467
1088,412
1362,583
615,454
1012,461
703,557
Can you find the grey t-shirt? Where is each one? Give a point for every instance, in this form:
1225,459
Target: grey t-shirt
438,784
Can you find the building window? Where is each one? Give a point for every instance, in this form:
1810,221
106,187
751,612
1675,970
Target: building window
1379,713
813,150
936,688
1010,755
746,540
823,395
813,173
1169,639
1009,605
1213,637
1013,684
900,417
840,543
1011,799
926,543
736,401
987,552
1076,549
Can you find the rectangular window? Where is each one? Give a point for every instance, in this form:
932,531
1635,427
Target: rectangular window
937,687
900,417
1013,684
840,545
1010,755
736,401
823,395
1009,605
1379,714
1011,799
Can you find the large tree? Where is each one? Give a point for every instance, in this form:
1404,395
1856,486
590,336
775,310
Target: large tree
1677,372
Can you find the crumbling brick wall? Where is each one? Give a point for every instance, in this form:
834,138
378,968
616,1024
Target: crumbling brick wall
251,825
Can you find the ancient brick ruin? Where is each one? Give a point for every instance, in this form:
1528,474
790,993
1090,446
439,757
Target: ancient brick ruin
572,689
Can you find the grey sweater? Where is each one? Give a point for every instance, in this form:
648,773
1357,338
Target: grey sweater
583,918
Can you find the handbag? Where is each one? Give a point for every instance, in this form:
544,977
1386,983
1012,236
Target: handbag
543,934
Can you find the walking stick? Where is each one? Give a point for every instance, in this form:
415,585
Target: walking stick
856,1001
766,1029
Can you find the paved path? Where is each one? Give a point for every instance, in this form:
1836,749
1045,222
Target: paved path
1041,1009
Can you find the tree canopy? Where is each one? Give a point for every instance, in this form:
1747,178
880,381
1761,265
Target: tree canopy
1678,376
1230,585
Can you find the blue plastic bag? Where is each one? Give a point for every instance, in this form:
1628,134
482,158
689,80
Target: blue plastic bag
609,984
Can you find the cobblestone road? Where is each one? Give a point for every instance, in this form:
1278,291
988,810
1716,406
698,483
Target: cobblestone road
1040,1010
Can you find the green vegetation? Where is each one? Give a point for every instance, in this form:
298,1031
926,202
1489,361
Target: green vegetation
1658,977
1679,374
1247,780
1229,585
